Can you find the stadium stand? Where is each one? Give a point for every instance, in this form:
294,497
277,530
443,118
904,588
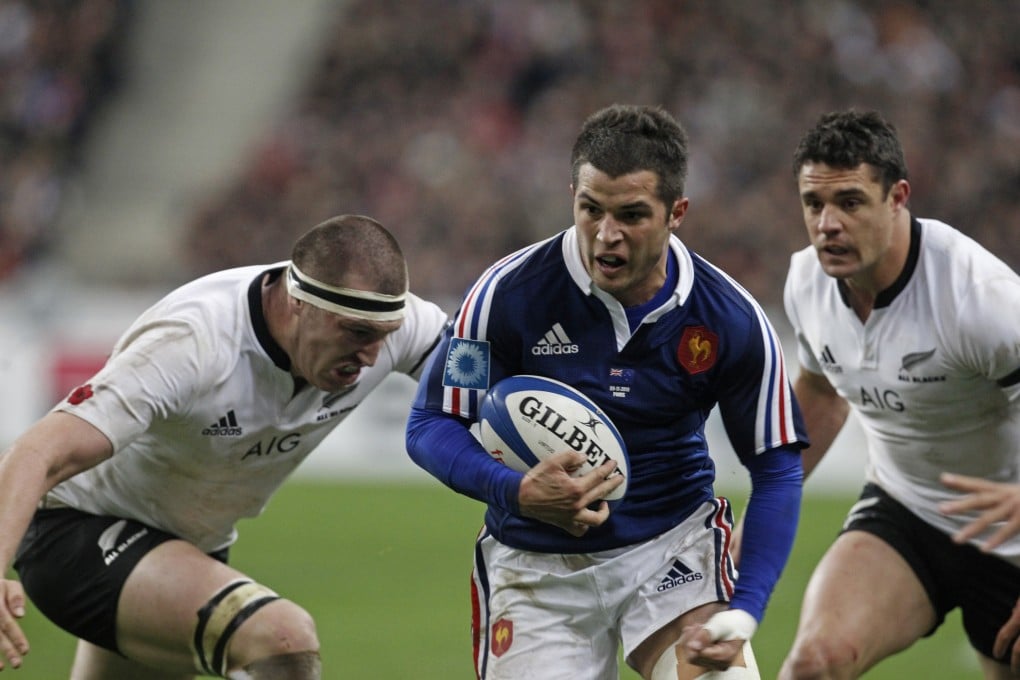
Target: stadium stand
449,120
60,62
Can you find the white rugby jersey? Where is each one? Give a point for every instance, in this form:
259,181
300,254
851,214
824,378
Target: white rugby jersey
933,374
201,409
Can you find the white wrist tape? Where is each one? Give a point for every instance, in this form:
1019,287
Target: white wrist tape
732,624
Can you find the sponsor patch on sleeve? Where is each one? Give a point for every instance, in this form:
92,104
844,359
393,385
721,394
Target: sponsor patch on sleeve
467,364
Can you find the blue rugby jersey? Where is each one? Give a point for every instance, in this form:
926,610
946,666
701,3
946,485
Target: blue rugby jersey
536,311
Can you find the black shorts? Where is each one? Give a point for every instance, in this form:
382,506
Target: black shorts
984,587
73,566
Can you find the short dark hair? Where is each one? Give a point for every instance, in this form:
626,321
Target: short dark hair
346,247
846,139
621,139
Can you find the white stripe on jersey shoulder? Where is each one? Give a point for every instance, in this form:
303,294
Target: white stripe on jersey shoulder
473,318
774,425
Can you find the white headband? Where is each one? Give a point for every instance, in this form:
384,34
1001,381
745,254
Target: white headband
362,304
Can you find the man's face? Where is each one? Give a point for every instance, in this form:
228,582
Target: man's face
623,229
331,349
849,218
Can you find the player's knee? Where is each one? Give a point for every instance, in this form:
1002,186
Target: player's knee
286,629
815,659
297,666
284,632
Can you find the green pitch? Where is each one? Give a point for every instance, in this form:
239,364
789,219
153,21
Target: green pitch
384,569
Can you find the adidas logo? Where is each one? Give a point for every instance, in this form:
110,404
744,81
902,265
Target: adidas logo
225,427
678,575
828,361
555,341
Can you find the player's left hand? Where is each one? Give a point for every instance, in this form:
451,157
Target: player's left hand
995,501
1009,636
13,644
701,650
550,493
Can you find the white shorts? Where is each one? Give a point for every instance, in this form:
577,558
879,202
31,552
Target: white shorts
545,616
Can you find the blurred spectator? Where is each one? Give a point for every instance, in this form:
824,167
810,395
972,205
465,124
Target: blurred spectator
448,119
58,63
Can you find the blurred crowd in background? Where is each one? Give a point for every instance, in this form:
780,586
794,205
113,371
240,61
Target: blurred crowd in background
60,61
451,121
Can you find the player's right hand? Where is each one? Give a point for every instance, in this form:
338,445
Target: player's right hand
1007,642
13,643
995,503
551,494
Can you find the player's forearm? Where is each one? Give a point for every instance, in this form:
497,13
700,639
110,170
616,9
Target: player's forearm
55,448
22,485
769,527
448,451
824,413
823,430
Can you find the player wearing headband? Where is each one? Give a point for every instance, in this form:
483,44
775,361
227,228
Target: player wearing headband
128,491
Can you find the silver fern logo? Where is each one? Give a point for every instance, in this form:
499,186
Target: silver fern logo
915,358
108,540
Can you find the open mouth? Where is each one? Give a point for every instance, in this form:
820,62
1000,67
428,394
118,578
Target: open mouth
836,251
346,373
610,263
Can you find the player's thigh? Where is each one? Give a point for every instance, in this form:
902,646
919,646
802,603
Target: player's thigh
686,576
995,670
95,663
538,618
863,593
647,654
158,611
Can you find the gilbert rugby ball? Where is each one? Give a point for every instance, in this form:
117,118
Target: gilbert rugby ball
524,419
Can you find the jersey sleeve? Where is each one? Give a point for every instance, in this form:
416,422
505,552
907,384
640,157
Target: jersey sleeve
153,375
989,331
438,436
422,329
805,355
469,359
770,525
756,400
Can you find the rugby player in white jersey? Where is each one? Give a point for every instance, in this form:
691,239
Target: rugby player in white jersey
124,497
915,328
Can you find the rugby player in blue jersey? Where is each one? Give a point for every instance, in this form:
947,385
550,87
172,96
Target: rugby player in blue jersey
915,328
618,307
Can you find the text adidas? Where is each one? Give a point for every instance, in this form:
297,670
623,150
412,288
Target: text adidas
217,431
545,350
678,580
